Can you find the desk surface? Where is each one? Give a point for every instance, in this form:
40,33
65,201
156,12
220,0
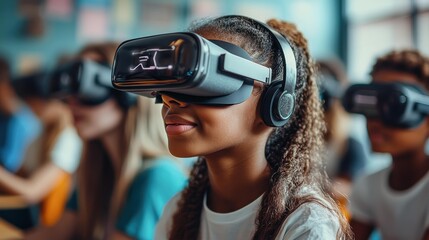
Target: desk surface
12,202
9,232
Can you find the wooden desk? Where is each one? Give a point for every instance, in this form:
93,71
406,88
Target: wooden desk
12,202
9,232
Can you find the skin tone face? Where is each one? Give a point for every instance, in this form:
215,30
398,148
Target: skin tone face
91,122
46,110
198,130
231,139
396,141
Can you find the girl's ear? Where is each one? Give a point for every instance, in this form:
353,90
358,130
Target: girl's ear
258,88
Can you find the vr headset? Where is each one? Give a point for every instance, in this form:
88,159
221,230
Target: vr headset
397,104
87,80
190,68
35,84
329,90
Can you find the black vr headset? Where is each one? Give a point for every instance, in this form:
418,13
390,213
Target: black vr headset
329,90
397,104
35,84
87,80
193,69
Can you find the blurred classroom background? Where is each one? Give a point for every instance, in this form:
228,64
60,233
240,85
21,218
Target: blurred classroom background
34,34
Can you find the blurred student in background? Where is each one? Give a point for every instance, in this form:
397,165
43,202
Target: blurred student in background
18,124
394,200
345,156
44,179
126,174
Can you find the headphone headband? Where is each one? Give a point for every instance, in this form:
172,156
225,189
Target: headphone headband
282,44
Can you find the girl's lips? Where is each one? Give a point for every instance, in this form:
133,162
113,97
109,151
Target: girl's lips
178,129
176,125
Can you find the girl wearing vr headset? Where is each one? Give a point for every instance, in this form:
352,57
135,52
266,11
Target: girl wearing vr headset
394,200
126,174
49,161
252,181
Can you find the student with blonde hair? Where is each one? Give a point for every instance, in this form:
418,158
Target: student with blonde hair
44,178
126,173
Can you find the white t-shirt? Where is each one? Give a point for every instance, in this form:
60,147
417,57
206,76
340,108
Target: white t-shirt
396,214
65,154
309,221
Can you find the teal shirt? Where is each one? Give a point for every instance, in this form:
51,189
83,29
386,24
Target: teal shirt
146,198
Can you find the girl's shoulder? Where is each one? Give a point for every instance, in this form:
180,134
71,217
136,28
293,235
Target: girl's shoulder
311,220
166,221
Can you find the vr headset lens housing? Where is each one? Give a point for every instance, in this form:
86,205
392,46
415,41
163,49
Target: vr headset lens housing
32,85
396,104
87,80
187,67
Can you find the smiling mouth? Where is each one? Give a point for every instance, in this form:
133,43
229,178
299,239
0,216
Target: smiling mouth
177,129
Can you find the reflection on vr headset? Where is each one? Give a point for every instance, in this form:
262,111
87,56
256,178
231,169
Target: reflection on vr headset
188,67
396,104
89,81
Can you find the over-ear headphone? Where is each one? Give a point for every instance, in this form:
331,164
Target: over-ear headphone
278,99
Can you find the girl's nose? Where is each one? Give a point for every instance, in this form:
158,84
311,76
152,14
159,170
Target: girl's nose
169,101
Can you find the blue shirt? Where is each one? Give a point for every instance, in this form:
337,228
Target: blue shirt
17,131
146,198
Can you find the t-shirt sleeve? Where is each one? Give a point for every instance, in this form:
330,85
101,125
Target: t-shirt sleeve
359,202
146,198
163,227
67,150
22,129
310,221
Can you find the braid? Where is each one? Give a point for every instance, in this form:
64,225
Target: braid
408,61
186,221
295,162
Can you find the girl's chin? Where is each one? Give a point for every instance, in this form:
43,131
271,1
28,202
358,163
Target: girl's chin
181,152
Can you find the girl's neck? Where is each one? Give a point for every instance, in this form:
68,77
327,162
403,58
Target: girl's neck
112,142
408,169
236,178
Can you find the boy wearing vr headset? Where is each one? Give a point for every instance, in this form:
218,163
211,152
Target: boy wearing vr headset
394,200
126,175
236,94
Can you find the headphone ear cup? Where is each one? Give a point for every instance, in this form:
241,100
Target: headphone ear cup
276,105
